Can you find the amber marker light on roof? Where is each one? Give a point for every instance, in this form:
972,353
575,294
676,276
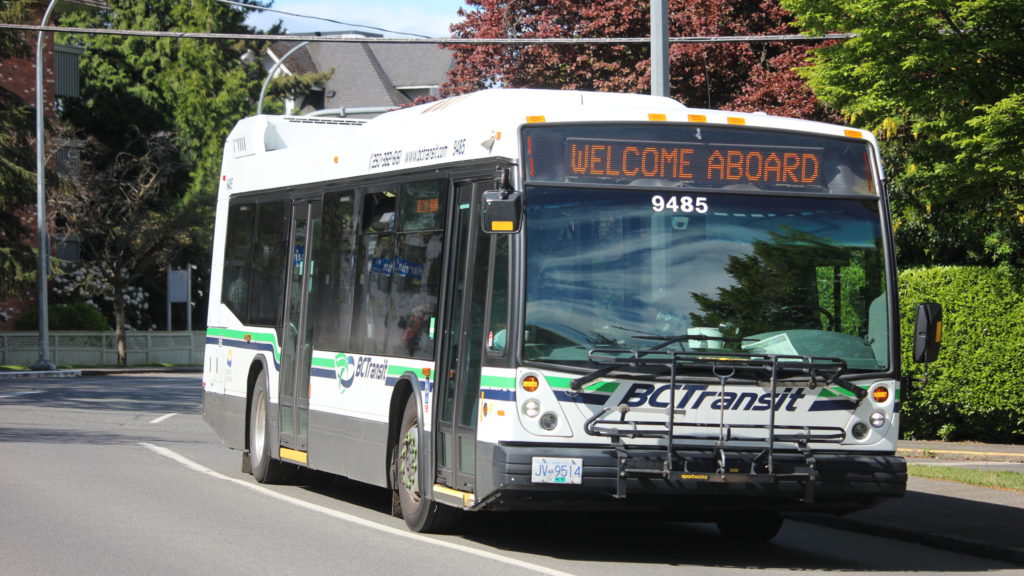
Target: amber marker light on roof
853,133
657,117
535,119
697,118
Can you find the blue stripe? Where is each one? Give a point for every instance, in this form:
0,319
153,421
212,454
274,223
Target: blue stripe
323,373
832,405
242,344
493,394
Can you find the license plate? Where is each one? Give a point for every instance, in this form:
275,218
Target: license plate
557,470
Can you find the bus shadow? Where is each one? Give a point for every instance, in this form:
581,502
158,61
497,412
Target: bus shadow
820,546
612,538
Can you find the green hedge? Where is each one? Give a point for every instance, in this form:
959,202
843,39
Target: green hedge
77,316
975,391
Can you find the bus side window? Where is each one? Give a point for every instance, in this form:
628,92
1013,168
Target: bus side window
416,283
238,260
336,275
266,306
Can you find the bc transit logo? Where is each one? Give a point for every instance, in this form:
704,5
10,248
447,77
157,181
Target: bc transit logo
345,366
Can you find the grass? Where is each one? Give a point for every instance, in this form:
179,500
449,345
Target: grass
1003,479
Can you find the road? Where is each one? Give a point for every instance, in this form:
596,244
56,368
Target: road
119,475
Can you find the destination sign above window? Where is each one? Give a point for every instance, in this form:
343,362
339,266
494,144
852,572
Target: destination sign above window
690,157
716,164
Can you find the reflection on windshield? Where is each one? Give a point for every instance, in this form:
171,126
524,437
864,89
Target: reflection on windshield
745,273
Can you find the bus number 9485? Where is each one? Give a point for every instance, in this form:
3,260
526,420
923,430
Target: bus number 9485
685,204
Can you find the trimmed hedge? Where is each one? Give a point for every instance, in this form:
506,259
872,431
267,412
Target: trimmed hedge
77,316
975,391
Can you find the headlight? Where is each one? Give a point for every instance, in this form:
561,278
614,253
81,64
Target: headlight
531,408
878,418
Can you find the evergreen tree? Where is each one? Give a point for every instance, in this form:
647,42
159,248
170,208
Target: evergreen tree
17,161
152,122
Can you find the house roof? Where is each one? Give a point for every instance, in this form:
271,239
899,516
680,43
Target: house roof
368,74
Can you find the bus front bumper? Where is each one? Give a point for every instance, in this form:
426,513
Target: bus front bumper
693,484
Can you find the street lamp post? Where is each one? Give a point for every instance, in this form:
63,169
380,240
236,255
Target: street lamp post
44,240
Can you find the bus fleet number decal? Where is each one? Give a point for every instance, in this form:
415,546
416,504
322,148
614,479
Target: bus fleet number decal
685,204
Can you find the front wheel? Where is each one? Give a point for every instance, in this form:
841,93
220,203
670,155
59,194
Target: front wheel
265,469
420,512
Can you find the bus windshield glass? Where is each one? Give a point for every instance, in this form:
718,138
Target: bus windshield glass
738,272
690,156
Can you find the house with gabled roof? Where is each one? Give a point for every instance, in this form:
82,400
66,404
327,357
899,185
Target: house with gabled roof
368,78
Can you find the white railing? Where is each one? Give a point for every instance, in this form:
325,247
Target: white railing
100,348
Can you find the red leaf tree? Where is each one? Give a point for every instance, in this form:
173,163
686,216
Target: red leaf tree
744,76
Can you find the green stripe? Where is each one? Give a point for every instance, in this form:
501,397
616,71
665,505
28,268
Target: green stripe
254,336
499,382
561,383
323,362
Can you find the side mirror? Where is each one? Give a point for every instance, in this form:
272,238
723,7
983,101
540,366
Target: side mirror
927,332
502,211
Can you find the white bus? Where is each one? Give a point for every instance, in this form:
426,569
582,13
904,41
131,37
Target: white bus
547,300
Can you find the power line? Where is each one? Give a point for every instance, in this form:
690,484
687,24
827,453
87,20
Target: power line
443,41
276,11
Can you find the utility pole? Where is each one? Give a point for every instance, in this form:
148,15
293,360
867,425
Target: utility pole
659,49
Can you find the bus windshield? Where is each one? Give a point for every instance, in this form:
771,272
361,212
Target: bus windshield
738,272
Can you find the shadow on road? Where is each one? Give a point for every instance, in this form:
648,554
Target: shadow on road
115,392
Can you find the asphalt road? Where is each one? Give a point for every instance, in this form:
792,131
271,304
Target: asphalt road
119,475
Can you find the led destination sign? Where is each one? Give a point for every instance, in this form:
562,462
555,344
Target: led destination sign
715,158
715,164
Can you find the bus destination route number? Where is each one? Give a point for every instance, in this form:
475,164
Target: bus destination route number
557,470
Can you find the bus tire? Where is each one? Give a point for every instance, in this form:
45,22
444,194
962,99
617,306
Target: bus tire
265,469
750,528
421,513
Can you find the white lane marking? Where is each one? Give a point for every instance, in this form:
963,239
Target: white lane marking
167,453
162,418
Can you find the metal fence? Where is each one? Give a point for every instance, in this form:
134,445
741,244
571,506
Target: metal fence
100,348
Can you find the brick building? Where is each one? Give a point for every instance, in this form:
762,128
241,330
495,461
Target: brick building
60,80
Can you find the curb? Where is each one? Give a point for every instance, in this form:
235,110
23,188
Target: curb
947,454
77,372
18,374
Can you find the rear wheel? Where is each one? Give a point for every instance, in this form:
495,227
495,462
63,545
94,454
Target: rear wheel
420,512
265,469
750,528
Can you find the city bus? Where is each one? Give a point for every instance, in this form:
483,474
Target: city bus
557,300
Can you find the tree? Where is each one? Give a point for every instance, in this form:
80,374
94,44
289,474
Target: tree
941,82
17,161
739,76
125,208
141,92
197,88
